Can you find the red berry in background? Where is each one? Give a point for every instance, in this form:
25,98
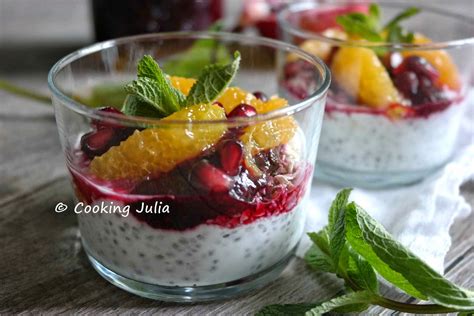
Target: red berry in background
242,110
407,83
261,96
231,154
209,178
418,65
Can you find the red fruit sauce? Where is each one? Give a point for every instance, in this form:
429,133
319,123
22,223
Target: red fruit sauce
191,203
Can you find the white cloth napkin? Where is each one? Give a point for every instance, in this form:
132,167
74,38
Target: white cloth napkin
420,215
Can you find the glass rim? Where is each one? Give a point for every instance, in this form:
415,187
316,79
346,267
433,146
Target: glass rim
286,26
93,113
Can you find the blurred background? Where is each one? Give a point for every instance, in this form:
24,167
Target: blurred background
34,34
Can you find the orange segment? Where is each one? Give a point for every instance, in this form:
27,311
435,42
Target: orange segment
182,84
440,59
361,74
160,149
233,96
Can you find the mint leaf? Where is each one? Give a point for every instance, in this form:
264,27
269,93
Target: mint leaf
171,97
148,91
400,266
134,106
213,80
321,239
286,309
409,12
319,260
357,25
374,12
354,298
361,272
336,224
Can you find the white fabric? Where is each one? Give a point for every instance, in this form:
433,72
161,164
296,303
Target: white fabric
419,216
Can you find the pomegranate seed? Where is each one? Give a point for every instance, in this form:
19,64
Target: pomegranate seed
260,95
210,178
420,66
101,124
98,142
242,110
231,154
408,84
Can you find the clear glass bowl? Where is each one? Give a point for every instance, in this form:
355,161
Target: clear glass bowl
388,121
227,230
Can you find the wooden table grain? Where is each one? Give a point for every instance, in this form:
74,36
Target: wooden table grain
43,268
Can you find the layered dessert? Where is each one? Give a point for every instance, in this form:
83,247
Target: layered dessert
212,191
394,107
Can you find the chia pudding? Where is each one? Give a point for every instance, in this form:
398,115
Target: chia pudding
393,112
231,194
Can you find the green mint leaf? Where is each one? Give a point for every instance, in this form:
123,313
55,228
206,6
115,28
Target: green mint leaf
354,298
355,25
336,224
318,260
134,106
399,265
286,309
374,12
409,12
213,80
147,90
361,272
172,99
321,239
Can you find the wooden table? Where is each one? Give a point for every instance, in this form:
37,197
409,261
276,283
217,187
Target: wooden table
43,268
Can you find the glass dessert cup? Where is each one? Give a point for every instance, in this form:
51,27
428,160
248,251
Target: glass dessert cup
213,205
393,110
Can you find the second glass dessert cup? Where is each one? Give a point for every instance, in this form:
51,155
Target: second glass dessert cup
207,201
394,109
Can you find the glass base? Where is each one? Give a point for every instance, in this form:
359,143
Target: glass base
369,180
193,293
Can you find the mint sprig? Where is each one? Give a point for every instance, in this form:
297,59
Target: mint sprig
356,248
368,26
153,95
212,81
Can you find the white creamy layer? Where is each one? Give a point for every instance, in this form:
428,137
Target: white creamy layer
374,143
205,255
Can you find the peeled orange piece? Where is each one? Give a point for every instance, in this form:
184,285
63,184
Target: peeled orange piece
440,59
182,84
362,75
160,149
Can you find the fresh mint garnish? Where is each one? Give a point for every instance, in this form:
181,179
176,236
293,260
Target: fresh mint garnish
153,95
154,88
354,246
368,26
212,82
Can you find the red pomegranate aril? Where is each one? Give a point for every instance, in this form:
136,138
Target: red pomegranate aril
260,95
420,66
242,110
209,178
96,143
98,124
407,83
231,155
